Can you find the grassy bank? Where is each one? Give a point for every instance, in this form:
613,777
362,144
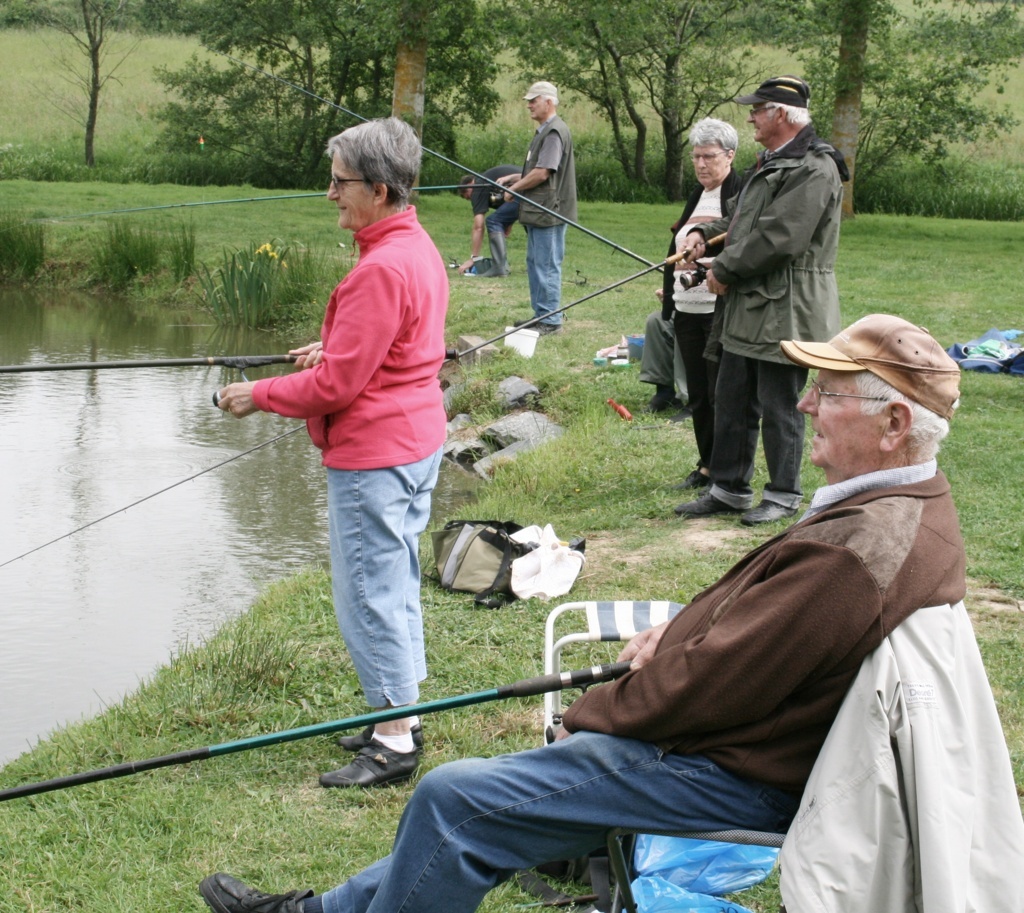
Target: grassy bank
143,843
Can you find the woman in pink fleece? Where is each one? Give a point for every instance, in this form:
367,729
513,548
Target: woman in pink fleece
372,402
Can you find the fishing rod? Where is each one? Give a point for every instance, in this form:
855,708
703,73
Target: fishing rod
436,154
121,510
526,687
287,196
455,355
242,362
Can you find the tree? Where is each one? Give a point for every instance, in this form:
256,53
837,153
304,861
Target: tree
409,95
648,60
896,86
344,53
88,24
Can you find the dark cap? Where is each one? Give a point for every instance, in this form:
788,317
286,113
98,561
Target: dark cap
905,356
786,90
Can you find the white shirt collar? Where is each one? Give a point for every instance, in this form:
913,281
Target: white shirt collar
828,495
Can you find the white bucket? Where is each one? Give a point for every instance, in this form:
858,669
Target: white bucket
523,341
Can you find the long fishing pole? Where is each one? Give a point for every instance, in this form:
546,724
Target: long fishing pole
526,687
121,510
228,361
436,154
455,355
286,196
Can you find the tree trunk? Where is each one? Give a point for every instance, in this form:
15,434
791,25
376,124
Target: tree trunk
409,95
854,25
94,33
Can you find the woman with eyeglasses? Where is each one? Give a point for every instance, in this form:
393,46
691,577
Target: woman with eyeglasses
690,306
372,402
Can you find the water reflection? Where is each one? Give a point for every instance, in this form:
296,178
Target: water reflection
83,619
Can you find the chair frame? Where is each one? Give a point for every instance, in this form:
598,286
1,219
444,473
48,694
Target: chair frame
608,621
622,620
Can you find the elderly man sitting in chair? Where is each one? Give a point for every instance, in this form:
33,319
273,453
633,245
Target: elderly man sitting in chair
721,719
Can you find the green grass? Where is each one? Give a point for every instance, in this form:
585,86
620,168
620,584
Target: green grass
144,842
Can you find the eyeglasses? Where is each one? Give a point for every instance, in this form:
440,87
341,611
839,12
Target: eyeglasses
707,158
817,392
755,111
337,182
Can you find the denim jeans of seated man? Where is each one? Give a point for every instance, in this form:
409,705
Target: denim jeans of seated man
471,824
545,250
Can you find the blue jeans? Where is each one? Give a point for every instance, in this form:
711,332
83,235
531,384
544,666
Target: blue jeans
752,392
504,217
545,250
376,517
471,824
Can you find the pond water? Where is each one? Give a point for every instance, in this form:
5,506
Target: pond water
121,535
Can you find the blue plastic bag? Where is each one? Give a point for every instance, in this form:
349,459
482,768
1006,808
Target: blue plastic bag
678,875
655,895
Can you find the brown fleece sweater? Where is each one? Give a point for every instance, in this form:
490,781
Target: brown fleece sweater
751,674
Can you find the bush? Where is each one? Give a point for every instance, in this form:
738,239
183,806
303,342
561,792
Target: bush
125,255
22,247
957,189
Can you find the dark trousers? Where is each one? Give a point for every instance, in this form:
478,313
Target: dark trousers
752,393
692,332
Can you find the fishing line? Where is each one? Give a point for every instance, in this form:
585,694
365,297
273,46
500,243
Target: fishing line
121,510
434,153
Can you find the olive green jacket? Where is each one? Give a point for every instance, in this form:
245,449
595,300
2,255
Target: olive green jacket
780,255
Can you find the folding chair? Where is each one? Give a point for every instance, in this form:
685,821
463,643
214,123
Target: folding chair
620,621
606,621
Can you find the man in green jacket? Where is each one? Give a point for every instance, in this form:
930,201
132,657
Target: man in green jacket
776,274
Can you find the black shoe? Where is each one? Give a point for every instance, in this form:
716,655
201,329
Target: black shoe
695,479
545,329
766,512
664,400
375,765
707,505
361,740
225,894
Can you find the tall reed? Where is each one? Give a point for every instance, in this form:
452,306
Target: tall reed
182,251
126,254
22,247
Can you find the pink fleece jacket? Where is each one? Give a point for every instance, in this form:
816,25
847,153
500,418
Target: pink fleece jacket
375,401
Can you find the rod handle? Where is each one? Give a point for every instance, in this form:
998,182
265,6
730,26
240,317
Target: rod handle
557,681
684,254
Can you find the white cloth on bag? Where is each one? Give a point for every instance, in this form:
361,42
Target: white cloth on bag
549,570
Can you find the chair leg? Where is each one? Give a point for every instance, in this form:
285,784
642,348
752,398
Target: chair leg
620,847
